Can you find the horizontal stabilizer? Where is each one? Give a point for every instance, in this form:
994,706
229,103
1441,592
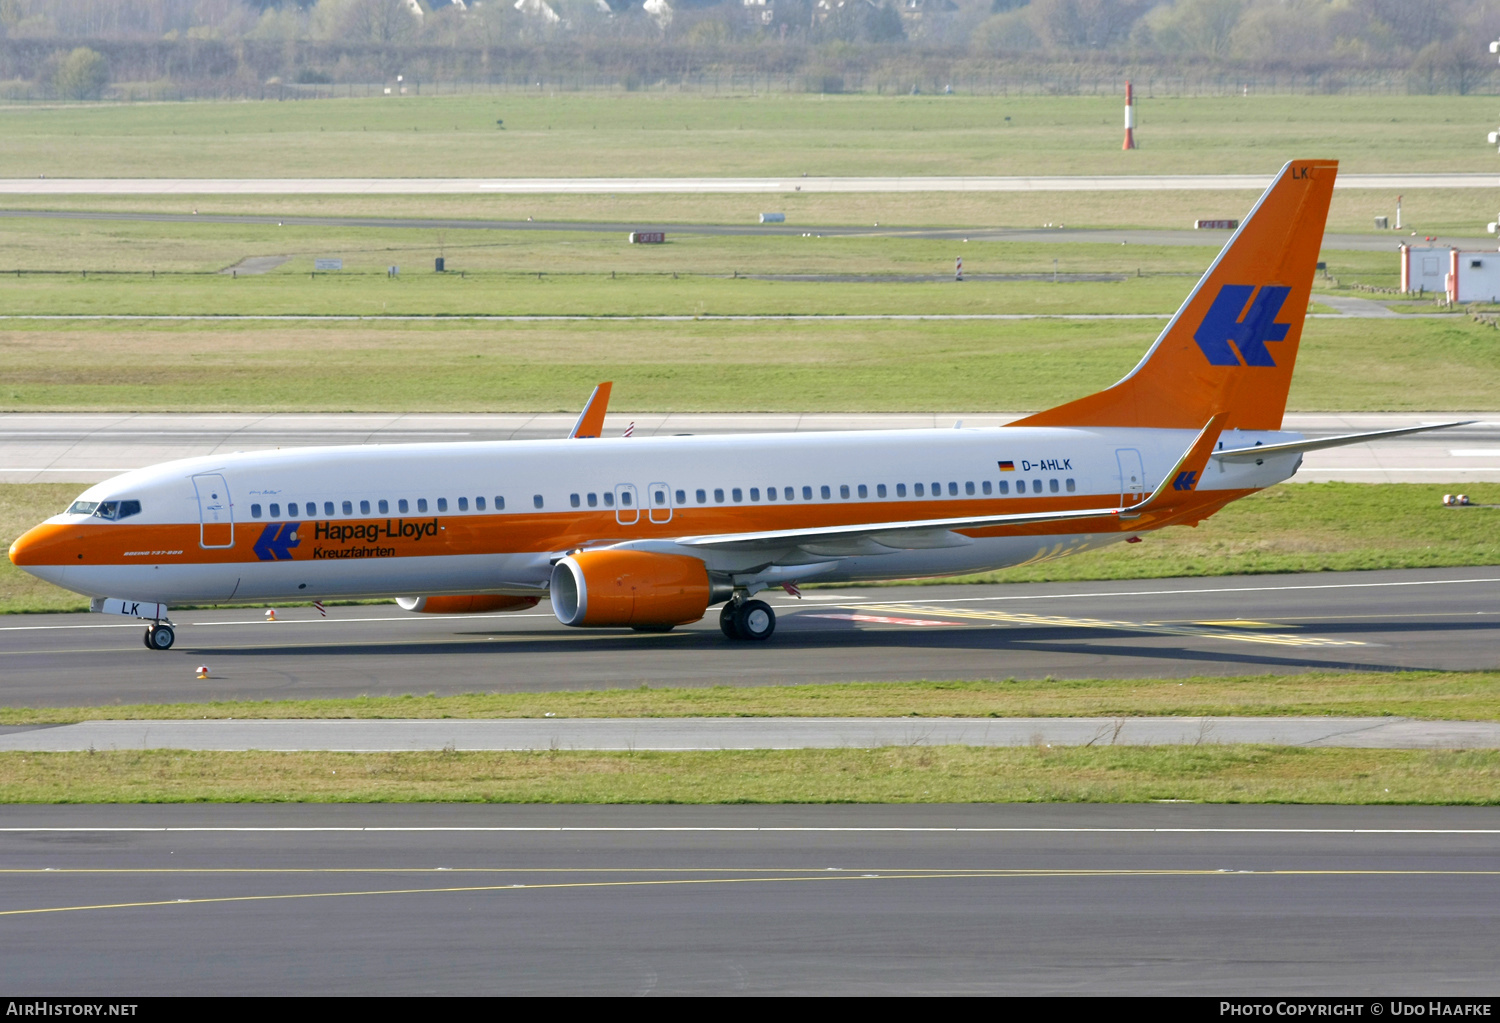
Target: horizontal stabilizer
1250,454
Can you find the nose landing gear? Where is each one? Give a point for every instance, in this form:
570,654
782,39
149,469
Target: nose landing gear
160,636
747,619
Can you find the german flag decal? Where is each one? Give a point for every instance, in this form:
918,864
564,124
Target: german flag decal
1006,466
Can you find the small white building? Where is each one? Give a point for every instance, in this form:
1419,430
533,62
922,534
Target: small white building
1462,276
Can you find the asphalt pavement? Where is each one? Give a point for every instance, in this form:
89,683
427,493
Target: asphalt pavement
711,185
1375,242
708,733
87,447
1223,901
1424,619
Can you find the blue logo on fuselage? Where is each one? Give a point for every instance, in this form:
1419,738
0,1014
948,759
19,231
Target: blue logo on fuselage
1222,324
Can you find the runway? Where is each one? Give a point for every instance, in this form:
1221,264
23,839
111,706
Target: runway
709,185
1426,619
701,733
879,900
37,447
1098,236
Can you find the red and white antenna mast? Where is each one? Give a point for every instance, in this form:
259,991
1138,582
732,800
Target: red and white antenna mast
1129,117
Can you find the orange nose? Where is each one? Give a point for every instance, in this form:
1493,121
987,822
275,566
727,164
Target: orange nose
42,545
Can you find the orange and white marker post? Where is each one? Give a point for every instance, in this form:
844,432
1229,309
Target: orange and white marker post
1129,117
958,269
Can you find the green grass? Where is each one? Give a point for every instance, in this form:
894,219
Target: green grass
1307,527
1311,527
706,365
778,135
1111,774
1468,696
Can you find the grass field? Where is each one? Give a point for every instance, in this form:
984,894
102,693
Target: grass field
1304,528
1467,696
1110,774
1426,211
633,134
705,365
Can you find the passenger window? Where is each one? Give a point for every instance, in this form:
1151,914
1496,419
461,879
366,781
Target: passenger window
985,486
1004,486
1036,486
701,495
609,499
463,504
917,490
536,500
364,507
880,490
499,503
719,495
421,504
844,491
770,493
384,506
1020,486
442,504
626,498
348,507
255,511
864,491
593,500
479,504
1052,486
574,500
826,492
401,506
291,510
1069,483
900,489
952,489
682,497
789,493
969,488
327,507
660,497
807,493
275,511
737,494
755,493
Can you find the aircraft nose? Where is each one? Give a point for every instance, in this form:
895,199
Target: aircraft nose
37,546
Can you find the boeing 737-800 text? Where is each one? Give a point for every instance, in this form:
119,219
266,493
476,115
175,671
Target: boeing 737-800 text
648,533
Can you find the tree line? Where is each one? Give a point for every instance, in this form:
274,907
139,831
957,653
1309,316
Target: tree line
80,49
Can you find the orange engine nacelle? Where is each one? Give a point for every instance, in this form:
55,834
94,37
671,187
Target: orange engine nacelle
635,588
477,604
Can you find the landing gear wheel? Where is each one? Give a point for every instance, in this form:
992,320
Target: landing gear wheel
726,621
160,636
755,620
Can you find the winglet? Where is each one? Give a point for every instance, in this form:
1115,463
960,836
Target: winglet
1188,471
591,420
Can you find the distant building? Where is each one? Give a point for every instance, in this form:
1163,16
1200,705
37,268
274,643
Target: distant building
1461,276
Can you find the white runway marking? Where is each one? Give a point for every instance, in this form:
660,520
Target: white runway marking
562,829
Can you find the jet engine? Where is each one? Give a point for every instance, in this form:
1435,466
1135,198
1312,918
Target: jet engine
639,589
472,605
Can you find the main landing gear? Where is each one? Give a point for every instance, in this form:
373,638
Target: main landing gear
159,636
747,619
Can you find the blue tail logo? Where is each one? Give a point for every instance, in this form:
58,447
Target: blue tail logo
276,541
1185,481
1250,329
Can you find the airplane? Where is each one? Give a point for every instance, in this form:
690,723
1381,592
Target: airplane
648,533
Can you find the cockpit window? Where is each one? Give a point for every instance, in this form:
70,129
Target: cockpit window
112,510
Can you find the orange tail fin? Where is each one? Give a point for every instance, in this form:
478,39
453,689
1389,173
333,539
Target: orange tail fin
591,420
1232,345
